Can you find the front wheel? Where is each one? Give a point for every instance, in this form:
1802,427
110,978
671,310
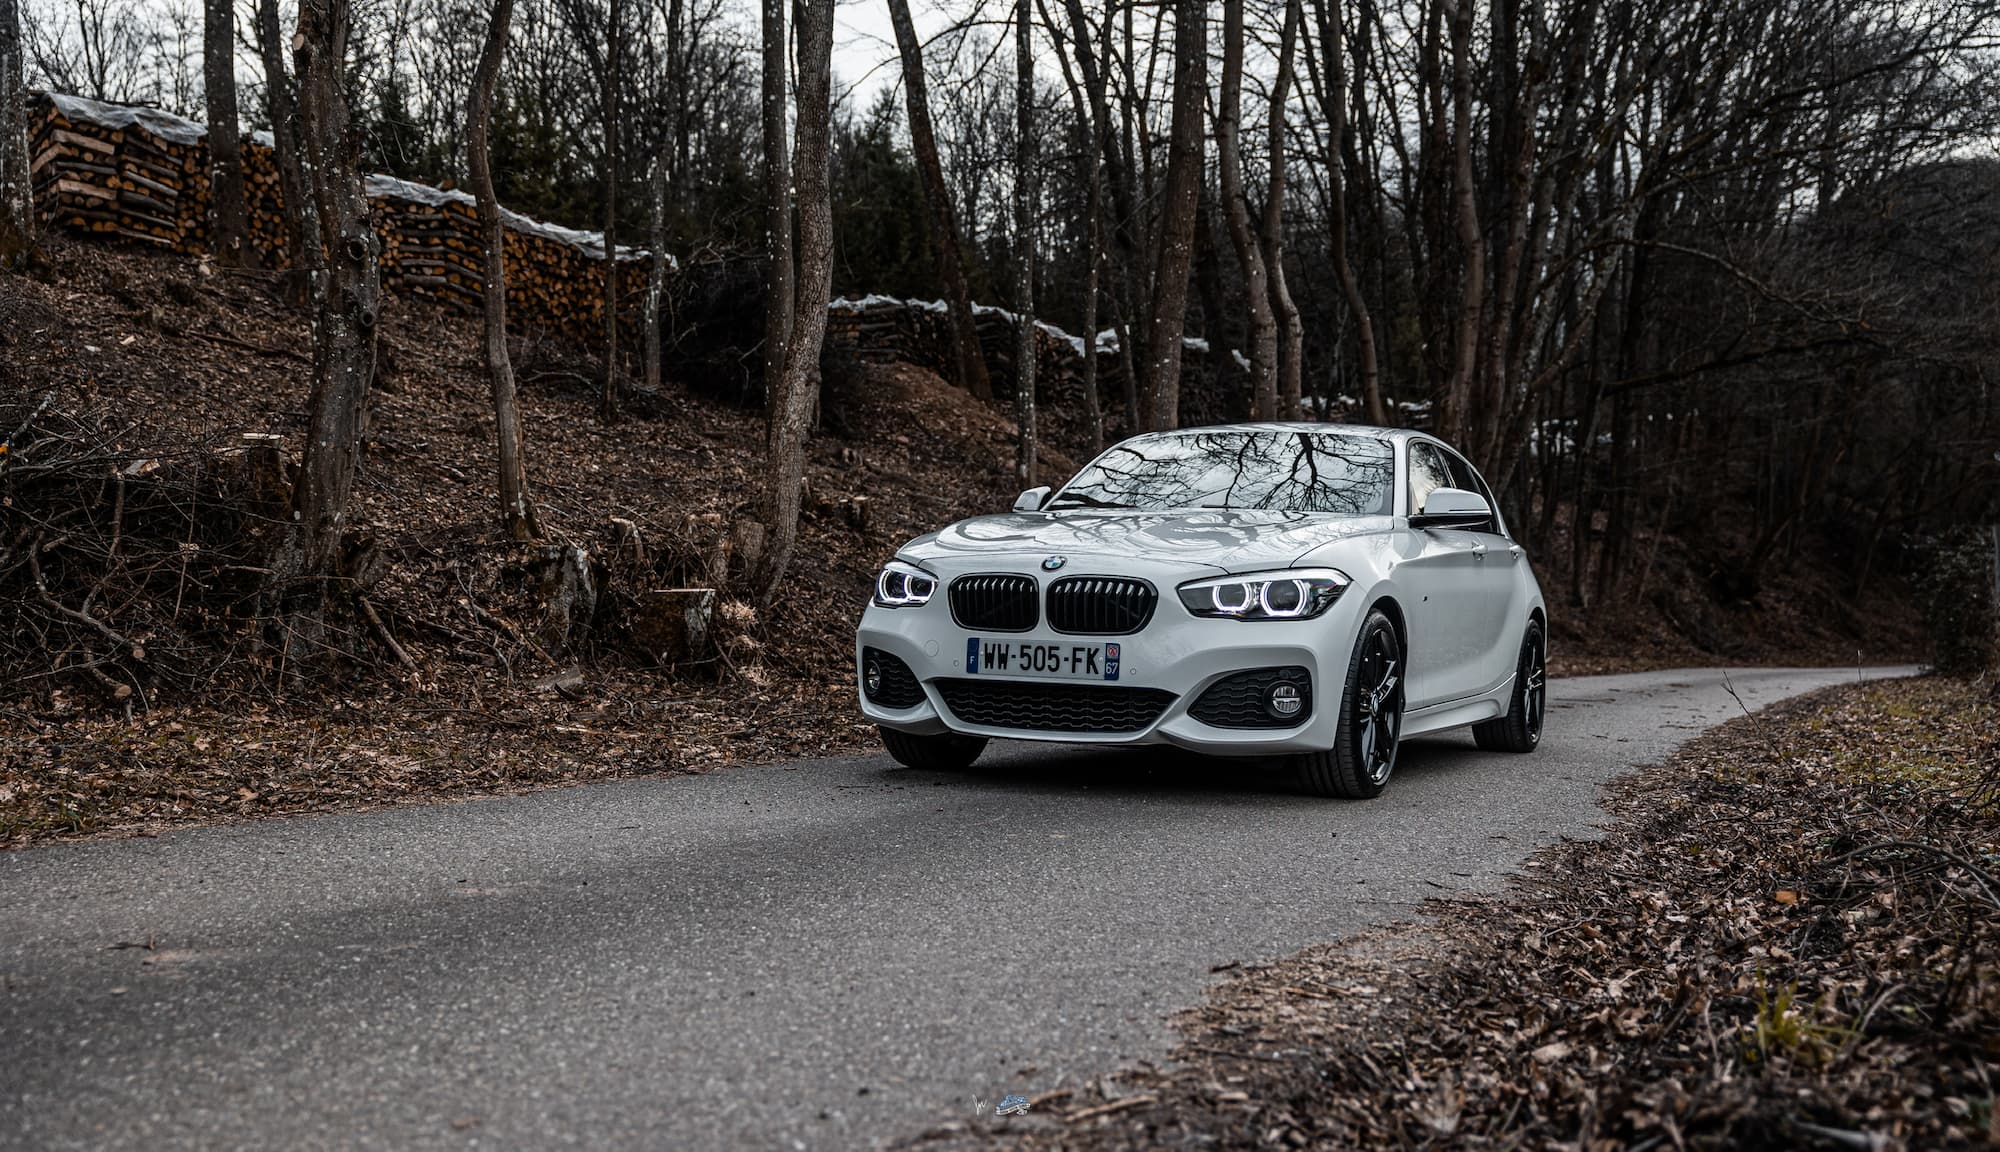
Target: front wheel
1363,755
944,752
1520,730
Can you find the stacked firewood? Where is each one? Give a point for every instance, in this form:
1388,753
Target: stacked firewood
142,174
111,170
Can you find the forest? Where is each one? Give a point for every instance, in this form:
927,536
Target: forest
1708,290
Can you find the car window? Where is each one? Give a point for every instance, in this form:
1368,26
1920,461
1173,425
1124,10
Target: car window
1428,473
1464,475
1280,470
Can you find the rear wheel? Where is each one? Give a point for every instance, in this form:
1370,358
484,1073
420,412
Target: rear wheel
1520,730
944,752
1363,755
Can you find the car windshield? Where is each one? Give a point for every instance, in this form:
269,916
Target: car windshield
1280,470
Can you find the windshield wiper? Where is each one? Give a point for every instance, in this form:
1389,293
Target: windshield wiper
1082,501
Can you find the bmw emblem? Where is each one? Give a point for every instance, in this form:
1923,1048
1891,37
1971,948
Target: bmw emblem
1054,562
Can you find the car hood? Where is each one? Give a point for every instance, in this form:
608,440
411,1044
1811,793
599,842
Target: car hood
1223,540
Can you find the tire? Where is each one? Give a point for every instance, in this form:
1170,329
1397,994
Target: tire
1520,730
945,752
1363,755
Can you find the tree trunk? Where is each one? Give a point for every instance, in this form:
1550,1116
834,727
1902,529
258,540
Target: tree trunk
777,207
1454,413
1236,209
17,207
301,218
1291,359
792,409
1024,242
345,307
972,375
517,512
607,402
1177,217
228,212
1334,100
656,267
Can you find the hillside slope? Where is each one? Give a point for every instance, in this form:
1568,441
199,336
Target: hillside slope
170,358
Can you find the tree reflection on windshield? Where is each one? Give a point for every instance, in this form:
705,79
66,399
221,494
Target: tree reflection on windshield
1266,469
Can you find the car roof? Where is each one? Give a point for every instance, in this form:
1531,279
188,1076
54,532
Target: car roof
1296,426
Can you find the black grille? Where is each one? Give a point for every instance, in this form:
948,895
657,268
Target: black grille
994,602
1052,707
1100,605
899,687
1237,700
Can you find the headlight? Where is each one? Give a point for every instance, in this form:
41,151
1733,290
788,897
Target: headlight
903,585
1297,595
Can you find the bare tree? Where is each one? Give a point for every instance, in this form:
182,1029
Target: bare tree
517,511
1333,103
656,265
1177,216
1024,241
1236,207
1291,330
792,403
614,54
345,310
17,210
972,375
301,219
778,291
228,209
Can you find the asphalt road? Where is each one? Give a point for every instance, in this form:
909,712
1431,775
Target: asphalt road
822,955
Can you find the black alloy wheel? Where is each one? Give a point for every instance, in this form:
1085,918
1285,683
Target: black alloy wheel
1520,730
1363,755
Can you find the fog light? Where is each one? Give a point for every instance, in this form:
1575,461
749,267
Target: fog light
871,676
1284,700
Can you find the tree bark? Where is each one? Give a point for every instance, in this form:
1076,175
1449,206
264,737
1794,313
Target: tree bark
1177,217
228,211
777,206
345,308
1333,96
656,267
972,374
1453,414
1291,358
517,512
1236,210
17,208
607,401
301,218
792,409
1024,242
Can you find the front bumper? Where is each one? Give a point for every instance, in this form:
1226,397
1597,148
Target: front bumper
1177,653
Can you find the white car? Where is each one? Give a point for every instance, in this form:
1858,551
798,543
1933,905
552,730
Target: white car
1317,592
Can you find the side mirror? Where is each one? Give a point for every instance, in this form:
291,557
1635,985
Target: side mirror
1453,508
1031,500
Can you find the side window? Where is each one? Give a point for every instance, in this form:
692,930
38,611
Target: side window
1464,476
1428,473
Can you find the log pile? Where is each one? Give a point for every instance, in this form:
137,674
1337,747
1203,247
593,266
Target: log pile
140,174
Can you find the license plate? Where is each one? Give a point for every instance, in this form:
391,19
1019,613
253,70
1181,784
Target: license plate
1032,658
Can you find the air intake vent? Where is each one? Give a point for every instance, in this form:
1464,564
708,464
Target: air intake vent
1242,700
888,681
1033,707
1100,605
994,602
